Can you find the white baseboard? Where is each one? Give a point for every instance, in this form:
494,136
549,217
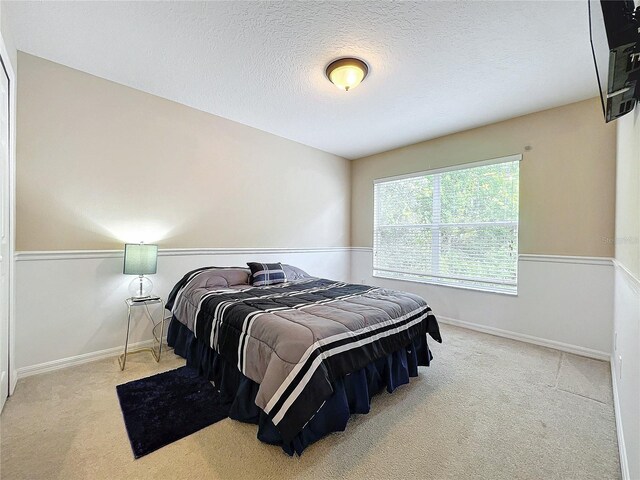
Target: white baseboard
622,450
77,360
565,347
111,352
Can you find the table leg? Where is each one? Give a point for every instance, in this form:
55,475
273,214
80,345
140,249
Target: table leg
122,359
161,330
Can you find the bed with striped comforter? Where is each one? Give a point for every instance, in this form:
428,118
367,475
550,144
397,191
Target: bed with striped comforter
295,338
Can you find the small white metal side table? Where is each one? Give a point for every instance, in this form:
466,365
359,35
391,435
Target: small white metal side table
156,348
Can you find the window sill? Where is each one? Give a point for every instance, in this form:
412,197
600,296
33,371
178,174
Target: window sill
448,285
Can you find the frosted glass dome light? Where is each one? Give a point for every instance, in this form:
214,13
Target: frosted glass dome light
347,73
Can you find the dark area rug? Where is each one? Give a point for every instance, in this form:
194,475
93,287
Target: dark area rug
161,409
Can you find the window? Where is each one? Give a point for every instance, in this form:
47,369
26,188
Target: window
451,226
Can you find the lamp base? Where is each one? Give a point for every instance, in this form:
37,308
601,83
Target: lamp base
140,288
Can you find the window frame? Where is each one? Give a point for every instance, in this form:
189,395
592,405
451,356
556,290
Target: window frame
429,278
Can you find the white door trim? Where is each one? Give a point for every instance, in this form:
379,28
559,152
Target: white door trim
10,68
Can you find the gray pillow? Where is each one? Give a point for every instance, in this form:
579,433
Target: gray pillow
294,273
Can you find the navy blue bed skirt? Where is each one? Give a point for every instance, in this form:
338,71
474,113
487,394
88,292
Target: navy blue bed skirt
351,394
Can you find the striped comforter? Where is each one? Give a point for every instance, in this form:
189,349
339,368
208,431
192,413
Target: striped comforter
295,338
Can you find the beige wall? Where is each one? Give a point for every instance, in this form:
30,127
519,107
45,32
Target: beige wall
627,241
567,181
99,163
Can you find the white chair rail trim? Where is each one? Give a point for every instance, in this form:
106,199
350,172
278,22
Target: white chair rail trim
81,254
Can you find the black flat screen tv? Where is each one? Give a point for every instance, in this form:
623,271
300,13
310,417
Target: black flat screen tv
615,42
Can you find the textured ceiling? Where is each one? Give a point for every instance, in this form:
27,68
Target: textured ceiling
436,67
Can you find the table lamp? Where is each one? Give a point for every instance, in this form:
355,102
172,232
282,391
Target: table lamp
140,259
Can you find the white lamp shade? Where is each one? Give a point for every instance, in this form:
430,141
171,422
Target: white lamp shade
140,259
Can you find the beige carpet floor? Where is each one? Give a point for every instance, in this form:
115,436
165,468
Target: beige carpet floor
487,408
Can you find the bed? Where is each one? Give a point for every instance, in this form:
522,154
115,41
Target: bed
297,358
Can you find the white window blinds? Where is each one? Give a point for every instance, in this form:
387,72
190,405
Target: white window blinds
456,227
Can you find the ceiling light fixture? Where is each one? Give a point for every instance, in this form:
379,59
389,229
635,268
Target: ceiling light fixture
347,73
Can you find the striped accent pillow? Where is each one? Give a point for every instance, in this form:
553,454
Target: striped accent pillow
266,274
